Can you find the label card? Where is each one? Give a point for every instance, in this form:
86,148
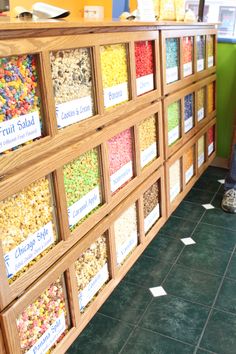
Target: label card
74,111
87,294
17,131
121,176
172,74
188,69
150,220
127,247
174,191
200,64
173,135
35,244
200,114
148,154
189,174
188,124
146,10
145,84
84,206
115,95
210,148
201,159
49,338
210,62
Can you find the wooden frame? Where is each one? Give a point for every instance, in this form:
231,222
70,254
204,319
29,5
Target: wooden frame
184,81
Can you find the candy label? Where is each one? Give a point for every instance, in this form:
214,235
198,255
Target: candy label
200,114
127,247
86,295
148,154
173,135
19,130
210,62
188,69
115,95
85,205
188,124
35,244
121,176
145,84
74,111
49,337
210,148
201,159
174,191
200,64
171,74
150,220
189,174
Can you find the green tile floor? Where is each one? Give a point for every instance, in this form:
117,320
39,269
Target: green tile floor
198,314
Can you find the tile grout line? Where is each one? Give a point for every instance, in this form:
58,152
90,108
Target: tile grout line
214,302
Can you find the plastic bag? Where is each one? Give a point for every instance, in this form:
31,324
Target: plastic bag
179,10
156,4
167,10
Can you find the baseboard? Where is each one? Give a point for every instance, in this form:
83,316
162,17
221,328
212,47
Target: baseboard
220,162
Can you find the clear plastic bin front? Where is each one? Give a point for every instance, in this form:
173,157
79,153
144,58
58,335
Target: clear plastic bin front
201,151
151,203
145,66
187,56
148,138
175,180
174,122
189,164
210,50
211,140
211,97
201,104
188,112
172,60
201,52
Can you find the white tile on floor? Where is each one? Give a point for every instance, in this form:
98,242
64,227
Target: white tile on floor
158,291
188,241
208,206
221,181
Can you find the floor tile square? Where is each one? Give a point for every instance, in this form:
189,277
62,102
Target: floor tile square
102,335
146,342
216,202
178,227
208,206
226,300
192,285
205,259
164,248
188,241
220,333
176,318
127,302
207,183
216,172
189,211
199,196
158,291
201,351
220,218
232,268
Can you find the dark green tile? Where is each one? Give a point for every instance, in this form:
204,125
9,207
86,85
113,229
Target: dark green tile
201,351
220,218
227,297
208,183
146,342
215,237
176,318
218,173
189,211
148,272
232,268
199,196
178,227
127,302
192,285
220,333
204,259
164,248
102,335
217,201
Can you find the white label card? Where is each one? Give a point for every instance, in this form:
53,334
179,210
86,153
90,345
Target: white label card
210,148
121,176
146,10
173,135
172,74
188,124
210,62
188,69
49,338
145,84
17,131
35,244
200,114
174,191
200,64
189,174
74,111
201,159
87,294
148,154
150,220
115,95
85,205
127,247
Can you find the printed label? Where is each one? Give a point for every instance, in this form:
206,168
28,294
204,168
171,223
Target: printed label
189,174
188,124
174,191
200,114
82,207
145,84
35,244
86,295
49,338
173,135
127,247
172,74
210,62
115,95
200,64
19,130
188,69
74,111
150,220
201,159
121,176
148,154
210,148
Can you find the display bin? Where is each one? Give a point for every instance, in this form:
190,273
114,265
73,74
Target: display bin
2,345
187,56
186,112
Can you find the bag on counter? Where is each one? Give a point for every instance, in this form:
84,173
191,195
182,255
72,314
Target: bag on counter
179,10
156,4
167,10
